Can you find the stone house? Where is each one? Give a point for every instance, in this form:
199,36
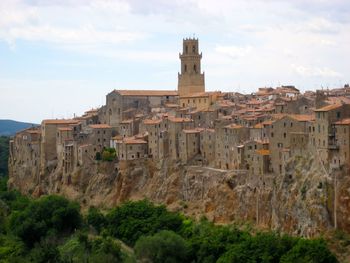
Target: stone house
131,148
207,146
324,133
100,136
175,127
280,138
189,142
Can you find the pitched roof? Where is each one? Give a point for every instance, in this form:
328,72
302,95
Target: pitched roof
147,93
233,126
201,94
343,122
151,122
329,107
100,126
177,119
60,121
195,130
65,129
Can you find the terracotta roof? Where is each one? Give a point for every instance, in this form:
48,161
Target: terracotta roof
263,152
65,129
201,94
329,107
172,105
34,131
126,121
176,119
100,126
196,130
149,93
343,122
233,126
60,121
151,122
302,117
132,140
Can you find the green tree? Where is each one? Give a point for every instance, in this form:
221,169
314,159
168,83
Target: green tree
163,247
4,153
309,251
48,215
109,154
264,247
96,219
134,219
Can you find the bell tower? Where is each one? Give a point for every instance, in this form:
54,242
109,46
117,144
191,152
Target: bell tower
190,80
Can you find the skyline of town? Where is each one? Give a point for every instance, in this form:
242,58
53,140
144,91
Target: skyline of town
105,45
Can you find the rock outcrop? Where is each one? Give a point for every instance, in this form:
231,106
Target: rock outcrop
301,202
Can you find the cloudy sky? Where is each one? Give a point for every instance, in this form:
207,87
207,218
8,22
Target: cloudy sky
61,57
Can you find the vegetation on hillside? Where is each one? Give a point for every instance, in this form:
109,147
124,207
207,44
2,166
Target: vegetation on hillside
52,229
4,151
10,127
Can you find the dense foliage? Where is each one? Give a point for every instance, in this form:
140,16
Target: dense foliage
4,152
135,219
52,229
165,246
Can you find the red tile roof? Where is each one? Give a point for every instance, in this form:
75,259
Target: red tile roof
100,126
329,107
147,93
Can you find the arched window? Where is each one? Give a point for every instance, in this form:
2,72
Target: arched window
186,49
194,68
185,68
194,49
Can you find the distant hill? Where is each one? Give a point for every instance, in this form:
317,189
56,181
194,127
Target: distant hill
10,127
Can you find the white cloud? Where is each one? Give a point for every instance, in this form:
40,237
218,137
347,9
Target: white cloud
234,51
308,71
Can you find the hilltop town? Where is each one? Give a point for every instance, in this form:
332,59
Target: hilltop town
254,135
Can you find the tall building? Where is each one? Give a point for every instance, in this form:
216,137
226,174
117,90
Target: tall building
190,80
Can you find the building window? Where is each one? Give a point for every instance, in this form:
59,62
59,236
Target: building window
195,68
193,49
186,48
185,68
284,135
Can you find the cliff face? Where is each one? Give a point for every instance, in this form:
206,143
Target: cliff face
300,202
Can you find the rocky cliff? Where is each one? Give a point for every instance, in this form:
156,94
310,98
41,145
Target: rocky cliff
300,202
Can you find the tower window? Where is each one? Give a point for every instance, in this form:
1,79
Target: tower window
185,67
193,49
186,49
194,68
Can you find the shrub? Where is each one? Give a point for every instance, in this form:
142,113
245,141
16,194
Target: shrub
50,214
96,219
165,246
134,219
309,251
109,154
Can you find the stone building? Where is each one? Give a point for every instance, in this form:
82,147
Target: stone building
131,148
207,146
280,138
340,158
175,126
189,143
100,136
49,134
324,138
120,102
190,80
227,138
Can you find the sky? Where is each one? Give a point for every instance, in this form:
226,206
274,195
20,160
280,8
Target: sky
61,57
